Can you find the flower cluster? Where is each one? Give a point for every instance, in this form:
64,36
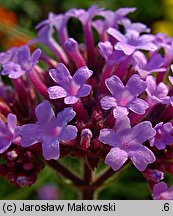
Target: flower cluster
96,102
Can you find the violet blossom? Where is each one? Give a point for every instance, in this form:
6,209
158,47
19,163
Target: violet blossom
153,175
49,130
165,42
110,55
124,98
8,132
163,135
18,61
113,18
144,67
171,77
8,55
139,27
162,192
126,142
48,192
157,93
58,21
132,41
70,88
69,93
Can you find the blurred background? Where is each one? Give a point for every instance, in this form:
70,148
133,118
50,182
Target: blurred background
18,18
17,25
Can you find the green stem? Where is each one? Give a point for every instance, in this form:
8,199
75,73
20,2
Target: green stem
109,173
87,191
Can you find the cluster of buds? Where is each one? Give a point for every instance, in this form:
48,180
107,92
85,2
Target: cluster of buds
21,166
109,100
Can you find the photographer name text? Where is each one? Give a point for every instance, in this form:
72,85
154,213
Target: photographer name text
71,207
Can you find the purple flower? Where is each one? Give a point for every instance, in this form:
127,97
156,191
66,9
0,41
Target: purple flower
7,56
49,129
48,192
19,61
162,192
124,98
139,27
157,93
83,15
110,55
127,142
171,77
53,20
45,36
59,22
8,132
132,41
163,135
113,18
144,67
165,42
153,175
70,88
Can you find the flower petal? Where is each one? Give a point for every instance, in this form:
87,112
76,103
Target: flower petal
65,116
23,54
68,133
106,49
116,158
81,75
115,85
162,90
29,134
11,122
3,126
116,34
141,157
35,56
151,85
60,75
163,142
13,70
171,79
4,144
107,102
122,123
50,148
84,90
159,188
15,75
44,112
7,56
120,112
143,131
70,100
140,59
56,92
135,85
126,48
156,61
108,136
138,106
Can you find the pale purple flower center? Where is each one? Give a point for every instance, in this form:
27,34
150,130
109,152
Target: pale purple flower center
55,132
